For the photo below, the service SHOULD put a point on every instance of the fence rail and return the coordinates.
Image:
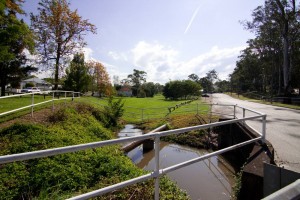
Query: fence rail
(157, 172)
(32, 105)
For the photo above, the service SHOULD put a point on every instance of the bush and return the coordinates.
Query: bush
(66, 175)
(62, 173)
(113, 112)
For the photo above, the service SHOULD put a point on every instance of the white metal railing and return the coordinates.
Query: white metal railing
(157, 173)
(32, 105)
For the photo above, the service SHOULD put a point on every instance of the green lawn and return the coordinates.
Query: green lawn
(11, 103)
(140, 109)
(16, 102)
(136, 109)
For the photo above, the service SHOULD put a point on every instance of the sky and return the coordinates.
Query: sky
(168, 39)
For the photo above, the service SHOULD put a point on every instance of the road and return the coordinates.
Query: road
(283, 128)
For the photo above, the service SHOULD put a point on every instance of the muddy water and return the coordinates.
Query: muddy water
(209, 179)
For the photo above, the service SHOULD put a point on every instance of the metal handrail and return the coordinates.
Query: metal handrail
(32, 105)
(157, 173)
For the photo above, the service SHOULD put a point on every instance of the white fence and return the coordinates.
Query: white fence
(59, 93)
(158, 172)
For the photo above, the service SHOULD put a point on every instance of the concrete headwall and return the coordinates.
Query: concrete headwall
(249, 158)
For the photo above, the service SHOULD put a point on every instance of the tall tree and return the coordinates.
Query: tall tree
(207, 82)
(137, 79)
(276, 25)
(100, 78)
(59, 33)
(77, 78)
(15, 37)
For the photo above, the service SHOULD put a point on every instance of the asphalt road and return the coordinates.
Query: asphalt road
(282, 128)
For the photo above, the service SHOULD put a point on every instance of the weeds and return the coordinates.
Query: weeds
(66, 175)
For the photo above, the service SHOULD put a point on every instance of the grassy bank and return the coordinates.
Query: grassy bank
(62, 176)
(241, 97)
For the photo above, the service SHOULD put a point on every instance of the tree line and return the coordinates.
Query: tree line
(270, 63)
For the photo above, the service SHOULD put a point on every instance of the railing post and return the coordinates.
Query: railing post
(244, 114)
(210, 113)
(65, 98)
(264, 117)
(32, 103)
(234, 111)
(156, 169)
(53, 101)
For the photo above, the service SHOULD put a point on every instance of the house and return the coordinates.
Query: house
(125, 91)
(41, 84)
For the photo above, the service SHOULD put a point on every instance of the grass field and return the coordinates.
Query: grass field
(141, 109)
(15, 102)
(19, 101)
(136, 109)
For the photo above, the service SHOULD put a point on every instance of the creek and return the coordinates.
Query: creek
(208, 179)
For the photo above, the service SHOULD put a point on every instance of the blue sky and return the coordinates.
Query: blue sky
(169, 39)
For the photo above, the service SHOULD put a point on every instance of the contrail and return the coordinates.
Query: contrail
(192, 19)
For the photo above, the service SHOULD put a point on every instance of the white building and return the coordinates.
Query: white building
(41, 84)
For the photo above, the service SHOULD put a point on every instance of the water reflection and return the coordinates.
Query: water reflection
(208, 179)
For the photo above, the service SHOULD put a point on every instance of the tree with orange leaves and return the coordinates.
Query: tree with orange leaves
(59, 33)
(100, 79)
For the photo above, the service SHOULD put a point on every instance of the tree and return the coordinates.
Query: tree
(158, 88)
(212, 75)
(100, 78)
(191, 88)
(222, 86)
(15, 37)
(77, 78)
(207, 82)
(194, 77)
(148, 89)
(137, 79)
(59, 33)
(276, 25)
(181, 89)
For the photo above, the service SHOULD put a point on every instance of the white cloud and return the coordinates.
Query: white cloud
(88, 52)
(117, 56)
(157, 60)
(162, 63)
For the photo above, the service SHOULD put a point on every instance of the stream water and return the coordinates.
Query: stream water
(208, 179)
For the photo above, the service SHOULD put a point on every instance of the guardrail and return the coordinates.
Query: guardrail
(157, 173)
(32, 105)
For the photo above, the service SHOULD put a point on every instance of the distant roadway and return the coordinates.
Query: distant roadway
(283, 128)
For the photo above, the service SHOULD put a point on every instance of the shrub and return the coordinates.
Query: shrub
(61, 173)
(65, 175)
(113, 112)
